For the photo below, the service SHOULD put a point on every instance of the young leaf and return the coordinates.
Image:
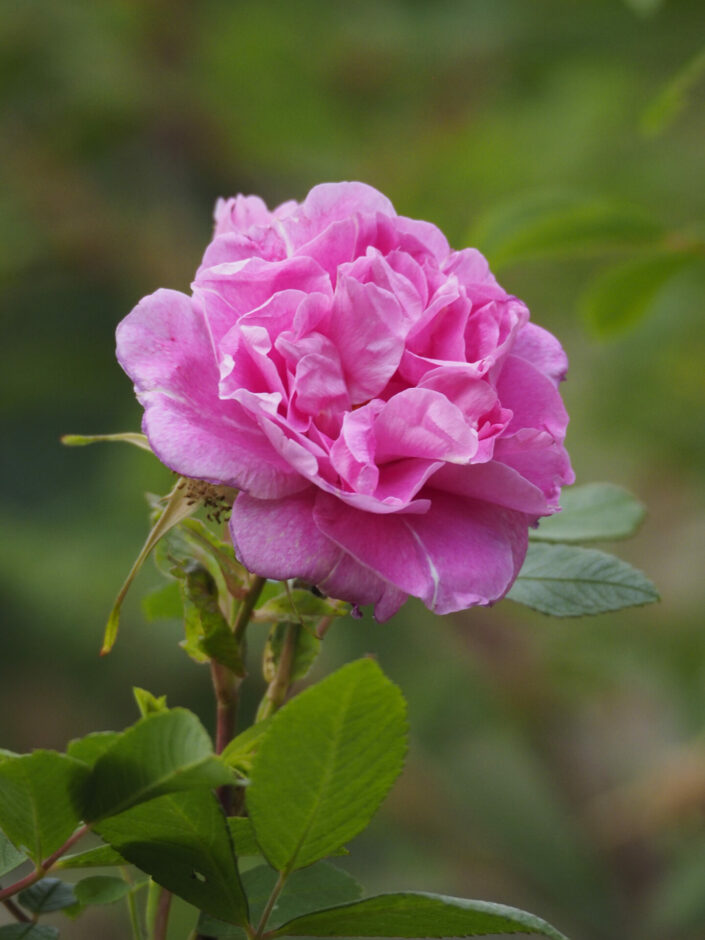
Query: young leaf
(28, 932)
(566, 581)
(102, 856)
(164, 603)
(208, 635)
(203, 539)
(306, 650)
(101, 889)
(178, 507)
(164, 752)
(553, 224)
(147, 703)
(182, 840)
(592, 512)
(39, 795)
(90, 748)
(416, 914)
(240, 752)
(10, 857)
(49, 894)
(129, 437)
(624, 294)
(325, 765)
(300, 606)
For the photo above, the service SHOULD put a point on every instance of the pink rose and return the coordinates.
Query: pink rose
(388, 413)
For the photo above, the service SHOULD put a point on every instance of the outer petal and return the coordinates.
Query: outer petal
(532, 397)
(164, 347)
(541, 349)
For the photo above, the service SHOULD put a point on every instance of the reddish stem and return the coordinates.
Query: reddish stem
(45, 866)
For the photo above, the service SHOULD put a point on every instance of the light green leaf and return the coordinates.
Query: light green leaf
(208, 635)
(325, 765)
(179, 506)
(49, 894)
(147, 703)
(10, 857)
(240, 752)
(101, 889)
(306, 649)
(102, 856)
(673, 98)
(559, 225)
(592, 512)
(28, 932)
(243, 835)
(300, 606)
(163, 604)
(623, 295)
(182, 840)
(39, 795)
(567, 581)
(415, 914)
(129, 437)
(90, 748)
(203, 539)
(162, 753)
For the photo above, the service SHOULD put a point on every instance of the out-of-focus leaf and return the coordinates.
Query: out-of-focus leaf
(164, 752)
(644, 7)
(622, 295)
(39, 795)
(240, 752)
(49, 894)
(673, 97)
(567, 581)
(101, 889)
(182, 840)
(234, 575)
(147, 703)
(178, 507)
(102, 856)
(28, 932)
(208, 635)
(306, 648)
(551, 225)
(90, 748)
(129, 437)
(415, 914)
(300, 606)
(325, 764)
(10, 857)
(164, 603)
(592, 512)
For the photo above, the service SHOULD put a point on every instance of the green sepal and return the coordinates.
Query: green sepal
(128, 437)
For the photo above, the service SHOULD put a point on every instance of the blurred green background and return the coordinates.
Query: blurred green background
(555, 765)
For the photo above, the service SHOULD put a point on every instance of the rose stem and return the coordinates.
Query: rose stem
(162, 916)
(16, 911)
(44, 867)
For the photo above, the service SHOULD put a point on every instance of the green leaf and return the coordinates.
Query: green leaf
(566, 581)
(163, 604)
(162, 753)
(179, 506)
(623, 295)
(49, 894)
(673, 98)
(243, 835)
(416, 914)
(558, 225)
(300, 606)
(10, 857)
(101, 889)
(306, 650)
(28, 932)
(239, 753)
(182, 840)
(208, 635)
(102, 856)
(203, 540)
(90, 748)
(592, 512)
(147, 703)
(39, 795)
(325, 765)
(129, 437)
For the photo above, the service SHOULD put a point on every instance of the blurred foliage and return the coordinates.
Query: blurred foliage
(556, 765)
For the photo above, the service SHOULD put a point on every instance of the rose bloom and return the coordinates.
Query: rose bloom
(386, 410)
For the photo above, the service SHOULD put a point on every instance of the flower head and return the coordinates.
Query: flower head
(388, 413)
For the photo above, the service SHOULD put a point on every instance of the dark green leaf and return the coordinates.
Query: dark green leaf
(10, 857)
(208, 635)
(162, 753)
(325, 765)
(101, 889)
(164, 604)
(592, 512)
(567, 581)
(49, 894)
(39, 795)
(147, 703)
(300, 606)
(306, 649)
(551, 225)
(182, 840)
(103, 856)
(129, 437)
(90, 748)
(28, 932)
(672, 99)
(624, 294)
(414, 914)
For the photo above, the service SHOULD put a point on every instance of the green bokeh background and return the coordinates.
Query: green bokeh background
(555, 765)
